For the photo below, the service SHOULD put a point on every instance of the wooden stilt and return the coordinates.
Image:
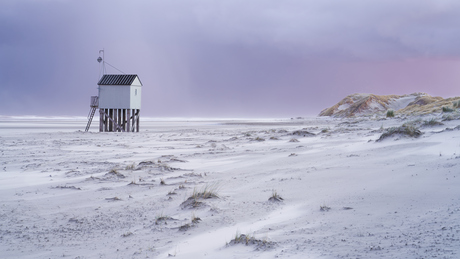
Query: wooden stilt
(133, 116)
(123, 119)
(114, 120)
(119, 119)
(137, 120)
(101, 120)
(110, 123)
(106, 120)
(128, 120)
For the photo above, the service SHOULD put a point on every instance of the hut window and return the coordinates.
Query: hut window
(135, 91)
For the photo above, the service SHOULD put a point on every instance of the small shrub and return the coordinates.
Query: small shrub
(456, 104)
(185, 227)
(275, 196)
(161, 217)
(293, 140)
(114, 172)
(251, 240)
(130, 167)
(324, 207)
(192, 203)
(432, 122)
(259, 139)
(303, 133)
(405, 129)
(66, 187)
(447, 109)
(390, 113)
(127, 234)
(206, 192)
(162, 181)
(448, 118)
(113, 199)
(165, 167)
(195, 219)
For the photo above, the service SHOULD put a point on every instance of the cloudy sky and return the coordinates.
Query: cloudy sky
(226, 58)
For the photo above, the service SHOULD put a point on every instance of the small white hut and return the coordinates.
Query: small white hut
(119, 103)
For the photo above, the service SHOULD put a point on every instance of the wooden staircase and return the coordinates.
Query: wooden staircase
(94, 104)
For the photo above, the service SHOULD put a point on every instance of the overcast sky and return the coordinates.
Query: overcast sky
(226, 58)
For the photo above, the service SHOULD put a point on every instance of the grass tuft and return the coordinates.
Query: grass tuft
(114, 172)
(390, 114)
(195, 219)
(324, 207)
(161, 217)
(251, 240)
(206, 192)
(405, 129)
(130, 167)
(432, 122)
(275, 196)
(456, 104)
(447, 109)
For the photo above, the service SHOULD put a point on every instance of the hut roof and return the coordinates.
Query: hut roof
(117, 80)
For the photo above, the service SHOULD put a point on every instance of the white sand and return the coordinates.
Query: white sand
(399, 198)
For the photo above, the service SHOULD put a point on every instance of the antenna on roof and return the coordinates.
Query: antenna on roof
(99, 59)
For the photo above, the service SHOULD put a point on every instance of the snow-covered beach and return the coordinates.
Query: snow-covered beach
(67, 193)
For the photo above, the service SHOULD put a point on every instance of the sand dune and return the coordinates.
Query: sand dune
(357, 105)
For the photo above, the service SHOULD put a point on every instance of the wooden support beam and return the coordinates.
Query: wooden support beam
(106, 120)
(111, 118)
(128, 120)
(112, 122)
(101, 120)
(133, 125)
(137, 120)
(119, 118)
(123, 125)
(114, 119)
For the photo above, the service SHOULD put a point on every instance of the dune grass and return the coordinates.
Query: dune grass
(390, 113)
(206, 192)
(406, 130)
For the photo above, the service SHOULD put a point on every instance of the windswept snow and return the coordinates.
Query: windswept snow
(67, 193)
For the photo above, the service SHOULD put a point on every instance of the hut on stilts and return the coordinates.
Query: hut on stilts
(119, 102)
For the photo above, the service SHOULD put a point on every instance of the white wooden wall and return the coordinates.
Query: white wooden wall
(120, 96)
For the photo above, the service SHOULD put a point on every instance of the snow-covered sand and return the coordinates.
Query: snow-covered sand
(67, 193)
